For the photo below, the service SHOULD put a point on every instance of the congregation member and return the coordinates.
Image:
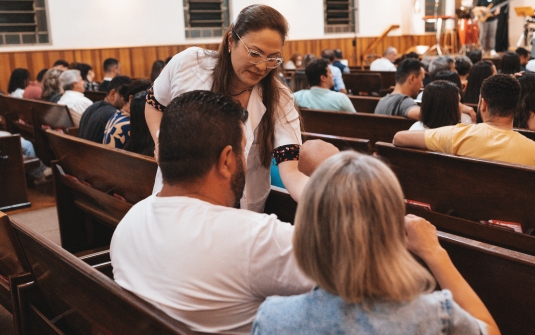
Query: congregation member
(111, 69)
(61, 65)
(339, 85)
(493, 139)
(353, 240)
(35, 88)
(478, 73)
(409, 77)
(18, 81)
(216, 264)
(96, 116)
(385, 63)
(243, 68)
(73, 97)
(338, 57)
(295, 62)
(117, 130)
(52, 90)
(475, 56)
(87, 73)
(156, 69)
(525, 110)
(319, 96)
(463, 64)
(524, 57)
(441, 63)
(140, 140)
(510, 63)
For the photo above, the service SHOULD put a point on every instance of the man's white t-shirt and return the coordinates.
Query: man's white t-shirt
(382, 64)
(208, 266)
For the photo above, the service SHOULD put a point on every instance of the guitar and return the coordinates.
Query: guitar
(482, 14)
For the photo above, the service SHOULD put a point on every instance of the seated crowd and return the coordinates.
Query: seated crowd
(347, 265)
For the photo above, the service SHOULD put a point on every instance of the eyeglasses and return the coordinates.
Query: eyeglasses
(256, 58)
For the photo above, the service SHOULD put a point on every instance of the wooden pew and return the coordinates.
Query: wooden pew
(341, 142)
(470, 188)
(388, 78)
(504, 279)
(360, 125)
(95, 95)
(526, 132)
(78, 299)
(95, 187)
(37, 116)
(364, 104)
(12, 271)
(363, 83)
(13, 192)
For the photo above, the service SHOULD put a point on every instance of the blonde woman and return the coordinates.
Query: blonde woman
(352, 238)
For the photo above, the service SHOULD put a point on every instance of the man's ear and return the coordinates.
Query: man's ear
(226, 164)
(483, 106)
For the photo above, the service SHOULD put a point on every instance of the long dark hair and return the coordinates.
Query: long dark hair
(440, 104)
(254, 18)
(479, 72)
(526, 103)
(510, 63)
(140, 140)
(20, 78)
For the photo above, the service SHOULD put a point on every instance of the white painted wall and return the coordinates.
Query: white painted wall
(516, 23)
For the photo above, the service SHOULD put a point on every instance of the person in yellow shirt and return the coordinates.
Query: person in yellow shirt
(493, 139)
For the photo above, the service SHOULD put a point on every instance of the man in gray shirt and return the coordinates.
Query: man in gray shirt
(400, 102)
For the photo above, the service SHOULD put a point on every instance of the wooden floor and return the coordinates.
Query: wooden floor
(42, 217)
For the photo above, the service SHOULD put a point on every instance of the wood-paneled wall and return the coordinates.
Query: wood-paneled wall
(137, 61)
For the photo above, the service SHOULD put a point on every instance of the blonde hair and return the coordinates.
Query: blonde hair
(350, 232)
(51, 84)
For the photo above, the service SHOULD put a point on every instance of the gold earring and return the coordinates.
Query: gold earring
(228, 50)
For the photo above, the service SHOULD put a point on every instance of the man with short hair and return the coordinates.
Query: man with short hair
(409, 76)
(72, 83)
(441, 63)
(97, 115)
(524, 57)
(319, 96)
(339, 85)
(111, 70)
(337, 61)
(61, 64)
(386, 63)
(215, 264)
(463, 64)
(494, 139)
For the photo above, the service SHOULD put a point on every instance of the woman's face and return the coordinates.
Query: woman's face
(267, 43)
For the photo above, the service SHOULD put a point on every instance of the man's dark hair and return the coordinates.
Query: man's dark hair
(510, 63)
(135, 87)
(40, 75)
(338, 53)
(82, 67)
(475, 56)
(406, 68)
(501, 93)
(479, 72)
(109, 63)
(315, 70)
(195, 128)
(463, 65)
(61, 62)
(328, 54)
(119, 84)
(412, 54)
(452, 77)
(522, 52)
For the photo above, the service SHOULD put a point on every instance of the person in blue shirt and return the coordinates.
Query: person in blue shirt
(353, 240)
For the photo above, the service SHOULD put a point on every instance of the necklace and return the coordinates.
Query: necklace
(239, 92)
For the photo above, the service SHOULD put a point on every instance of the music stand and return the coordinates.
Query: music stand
(524, 11)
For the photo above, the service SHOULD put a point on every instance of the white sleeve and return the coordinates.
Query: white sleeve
(273, 269)
(287, 123)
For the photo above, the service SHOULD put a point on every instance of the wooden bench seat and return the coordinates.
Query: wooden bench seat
(341, 142)
(69, 296)
(504, 279)
(360, 125)
(95, 187)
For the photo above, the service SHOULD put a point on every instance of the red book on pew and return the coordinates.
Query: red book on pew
(418, 204)
(514, 226)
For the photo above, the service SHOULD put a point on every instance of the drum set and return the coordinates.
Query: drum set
(468, 30)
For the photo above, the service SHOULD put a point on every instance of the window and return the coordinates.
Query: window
(339, 16)
(206, 18)
(430, 6)
(23, 22)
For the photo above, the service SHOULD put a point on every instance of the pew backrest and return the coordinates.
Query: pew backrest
(96, 186)
(82, 299)
(388, 78)
(364, 104)
(363, 83)
(360, 125)
(13, 192)
(469, 188)
(95, 95)
(341, 142)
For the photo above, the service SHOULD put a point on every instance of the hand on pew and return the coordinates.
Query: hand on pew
(422, 240)
(313, 153)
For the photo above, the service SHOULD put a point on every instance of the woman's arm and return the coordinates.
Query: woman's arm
(153, 118)
(293, 179)
(422, 240)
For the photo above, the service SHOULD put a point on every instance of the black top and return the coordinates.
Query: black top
(94, 121)
(103, 86)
